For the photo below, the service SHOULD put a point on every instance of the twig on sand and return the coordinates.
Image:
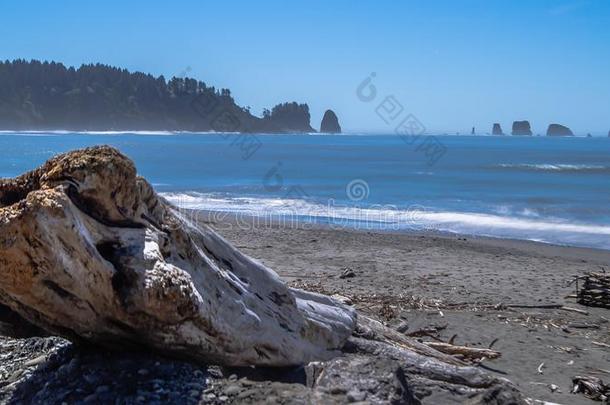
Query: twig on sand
(577, 325)
(540, 367)
(578, 311)
(469, 352)
(537, 306)
(598, 370)
(601, 344)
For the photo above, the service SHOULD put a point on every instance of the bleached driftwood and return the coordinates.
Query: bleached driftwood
(469, 352)
(89, 251)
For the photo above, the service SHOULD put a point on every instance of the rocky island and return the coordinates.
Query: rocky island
(522, 128)
(89, 252)
(330, 123)
(558, 130)
(497, 130)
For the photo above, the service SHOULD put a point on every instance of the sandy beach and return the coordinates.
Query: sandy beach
(458, 285)
(470, 291)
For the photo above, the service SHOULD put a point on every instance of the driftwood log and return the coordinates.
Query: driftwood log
(595, 291)
(88, 251)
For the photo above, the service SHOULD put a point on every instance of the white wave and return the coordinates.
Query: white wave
(29, 133)
(388, 215)
(553, 167)
(506, 210)
(510, 223)
(552, 230)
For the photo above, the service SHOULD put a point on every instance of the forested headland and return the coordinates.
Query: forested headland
(37, 95)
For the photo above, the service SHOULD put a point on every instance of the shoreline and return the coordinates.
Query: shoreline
(564, 232)
(247, 221)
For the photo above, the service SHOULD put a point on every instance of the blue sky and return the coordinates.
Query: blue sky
(452, 64)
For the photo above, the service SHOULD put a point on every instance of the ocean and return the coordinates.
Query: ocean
(554, 190)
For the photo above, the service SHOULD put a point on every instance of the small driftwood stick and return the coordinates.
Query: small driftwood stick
(537, 306)
(578, 311)
(601, 344)
(549, 306)
(470, 352)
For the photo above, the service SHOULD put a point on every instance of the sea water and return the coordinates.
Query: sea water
(554, 190)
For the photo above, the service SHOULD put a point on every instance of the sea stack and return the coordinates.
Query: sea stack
(522, 128)
(497, 130)
(330, 123)
(558, 130)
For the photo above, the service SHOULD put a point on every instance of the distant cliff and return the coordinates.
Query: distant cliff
(497, 130)
(559, 130)
(330, 123)
(48, 95)
(521, 128)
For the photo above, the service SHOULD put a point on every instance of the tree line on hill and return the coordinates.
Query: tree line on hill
(38, 95)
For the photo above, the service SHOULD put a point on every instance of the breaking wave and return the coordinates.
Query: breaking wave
(548, 167)
(391, 218)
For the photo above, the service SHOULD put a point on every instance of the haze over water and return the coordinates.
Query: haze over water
(554, 190)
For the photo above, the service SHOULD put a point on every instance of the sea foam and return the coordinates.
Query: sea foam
(550, 167)
(392, 218)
